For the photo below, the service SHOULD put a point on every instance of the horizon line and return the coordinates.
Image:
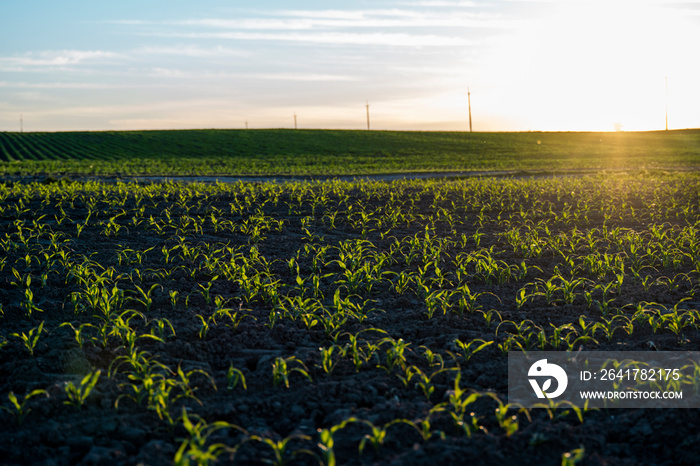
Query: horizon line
(282, 128)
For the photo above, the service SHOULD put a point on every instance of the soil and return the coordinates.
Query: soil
(113, 428)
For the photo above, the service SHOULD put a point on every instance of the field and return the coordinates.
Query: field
(338, 322)
(323, 153)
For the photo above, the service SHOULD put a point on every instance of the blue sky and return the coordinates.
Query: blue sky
(530, 65)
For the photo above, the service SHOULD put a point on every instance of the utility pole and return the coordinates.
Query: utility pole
(246, 124)
(469, 100)
(666, 78)
(21, 123)
(367, 105)
(295, 121)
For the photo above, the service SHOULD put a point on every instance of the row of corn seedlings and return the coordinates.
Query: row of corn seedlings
(132, 269)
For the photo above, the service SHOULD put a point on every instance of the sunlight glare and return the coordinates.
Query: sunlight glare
(595, 66)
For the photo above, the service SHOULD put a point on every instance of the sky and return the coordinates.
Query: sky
(523, 65)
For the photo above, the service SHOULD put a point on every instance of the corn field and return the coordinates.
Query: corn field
(336, 322)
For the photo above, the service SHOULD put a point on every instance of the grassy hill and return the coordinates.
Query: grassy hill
(331, 152)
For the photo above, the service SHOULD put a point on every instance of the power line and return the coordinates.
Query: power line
(367, 105)
(469, 100)
(666, 79)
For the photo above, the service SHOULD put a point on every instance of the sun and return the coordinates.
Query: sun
(598, 66)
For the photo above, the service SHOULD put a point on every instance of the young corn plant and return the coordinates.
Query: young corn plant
(438, 300)
(122, 329)
(423, 426)
(204, 325)
(604, 303)
(234, 316)
(402, 283)
(360, 354)
(469, 349)
(234, 376)
(425, 381)
(573, 457)
(560, 409)
(347, 306)
(326, 441)
(435, 359)
(523, 297)
(162, 329)
(548, 289)
(281, 454)
(173, 298)
(196, 449)
(490, 315)
(80, 334)
(377, 435)
(460, 400)
(145, 298)
(395, 354)
(77, 394)
(24, 282)
(281, 370)
(509, 423)
(467, 301)
(162, 398)
(205, 290)
(612, 325)
(568, 287)
(31, 338)
(20, 409)
(328, 361)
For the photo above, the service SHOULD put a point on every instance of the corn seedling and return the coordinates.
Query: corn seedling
(434, 359)
(281, 370)
(204, 327)
(77, 394)
(423, 426)
(489, 316)
(509, 424)
(328, 362)
(361, 354)
(573, 457)
(281, 454)
(377, 435)
(80, 337)
(460, 400)
(196, 449)
(425, 381)
(145, 298)
(31, 338)
(234, 376)
(327, 443)
(395, 354)
(162, 329)
(20, 409)
(467, 350)
(438, 300)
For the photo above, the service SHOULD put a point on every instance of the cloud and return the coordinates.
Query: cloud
(301, 77)
(57, 58)
(166, 73)
(386, 27)
(193, 51)
(337, 38)
(58, 85)
(444, 3)
(295, 20)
